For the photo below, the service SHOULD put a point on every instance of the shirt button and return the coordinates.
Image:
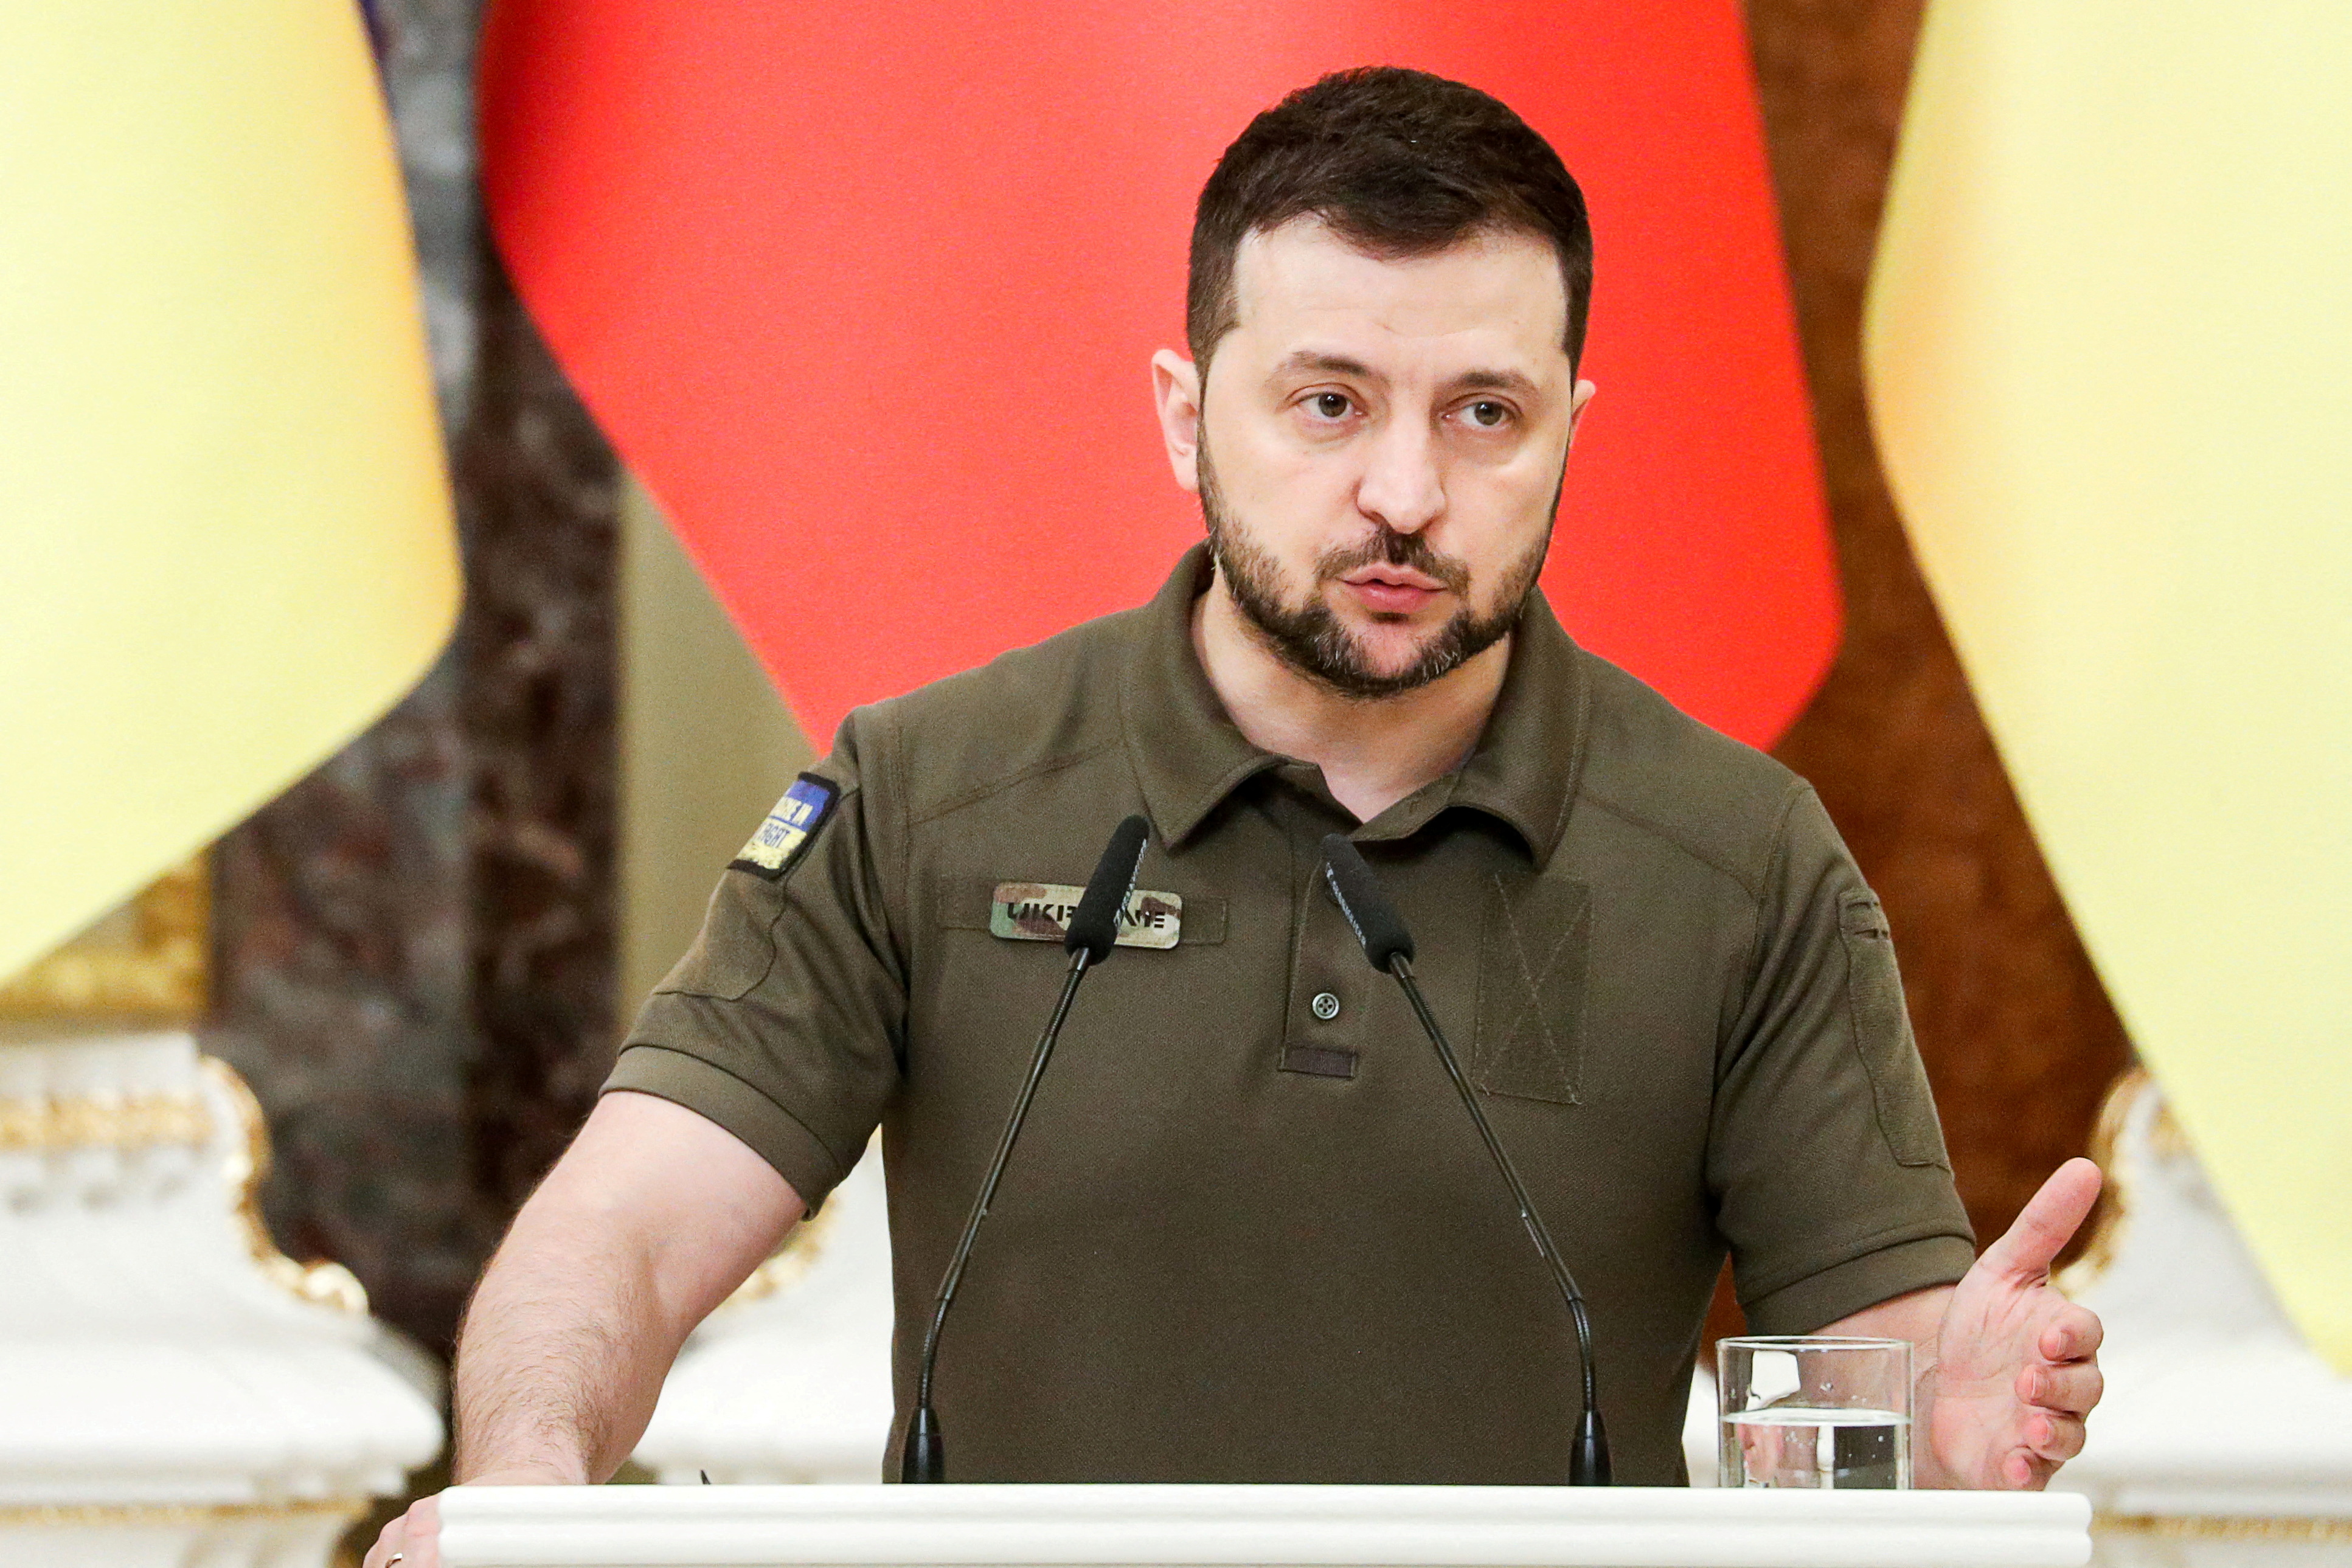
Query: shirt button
(1325, 1006)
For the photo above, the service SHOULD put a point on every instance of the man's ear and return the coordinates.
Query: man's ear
(1176, 391)
(1577, 402)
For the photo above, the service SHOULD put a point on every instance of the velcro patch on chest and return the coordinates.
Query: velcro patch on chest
(788, 829)
(1041, 911)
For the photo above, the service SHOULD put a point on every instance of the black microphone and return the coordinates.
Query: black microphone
(1389, 946)
(1094, 929)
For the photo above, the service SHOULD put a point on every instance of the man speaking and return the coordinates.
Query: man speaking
(1248, 1234)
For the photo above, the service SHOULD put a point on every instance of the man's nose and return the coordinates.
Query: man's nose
(1402, 485)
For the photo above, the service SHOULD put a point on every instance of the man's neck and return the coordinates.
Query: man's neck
(1372, 754)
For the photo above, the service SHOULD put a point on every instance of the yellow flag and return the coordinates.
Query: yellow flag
(225, 541)
(2110, 363)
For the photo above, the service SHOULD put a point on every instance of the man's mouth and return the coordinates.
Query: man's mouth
(1392, 590)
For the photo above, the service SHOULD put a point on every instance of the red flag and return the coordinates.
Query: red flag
(865, 295)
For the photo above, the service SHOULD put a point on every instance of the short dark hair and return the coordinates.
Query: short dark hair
(1398, 163)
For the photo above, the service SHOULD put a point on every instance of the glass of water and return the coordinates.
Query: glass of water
(1814, 1411)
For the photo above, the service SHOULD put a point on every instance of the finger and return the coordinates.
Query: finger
(2075, 1335)
(2047, 1222)
(389, 1541)
(424, 1533)
(2056, 1438)
(2070, 1390)
(410, 1541)
(2022, 1470)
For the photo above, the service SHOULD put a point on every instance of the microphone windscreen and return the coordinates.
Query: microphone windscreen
(1095, 927)
(1365, 903)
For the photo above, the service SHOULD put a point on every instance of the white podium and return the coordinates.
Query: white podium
(1264, 1526)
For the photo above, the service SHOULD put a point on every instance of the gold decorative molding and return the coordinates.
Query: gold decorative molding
(323, 1284)
(2226, 1527)
(146, 961)
(174, 1515)
(54, 1125)
(2105, 1225)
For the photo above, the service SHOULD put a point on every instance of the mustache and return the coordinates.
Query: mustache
(1389, 548)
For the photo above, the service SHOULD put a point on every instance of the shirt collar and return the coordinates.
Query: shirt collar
(1189, 755)
(1526, 767)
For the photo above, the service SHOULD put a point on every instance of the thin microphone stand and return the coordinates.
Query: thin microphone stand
(925, 1459)
(1589, 1460)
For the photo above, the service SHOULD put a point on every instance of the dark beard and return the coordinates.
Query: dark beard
(1310, 640)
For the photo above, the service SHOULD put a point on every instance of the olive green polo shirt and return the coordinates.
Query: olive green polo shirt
(1249, 1234)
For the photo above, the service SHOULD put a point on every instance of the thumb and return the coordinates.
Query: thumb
(2047, 1223)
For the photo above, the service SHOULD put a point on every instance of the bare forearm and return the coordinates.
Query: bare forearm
(1917, 1317)
(650, 1218)
(647, 1223)
(563, 1356)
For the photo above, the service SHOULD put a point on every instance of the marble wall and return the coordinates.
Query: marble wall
(417, 945)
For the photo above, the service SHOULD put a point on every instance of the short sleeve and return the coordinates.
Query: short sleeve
(1824, 1157)
(784, 1022)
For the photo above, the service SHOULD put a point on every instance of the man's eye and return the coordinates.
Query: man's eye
(1488, 415)
(1330, 404)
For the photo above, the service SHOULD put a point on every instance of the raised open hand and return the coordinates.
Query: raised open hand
(2017, 1364)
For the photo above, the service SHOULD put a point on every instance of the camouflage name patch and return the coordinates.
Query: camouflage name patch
(789, 829)
(1041, 911)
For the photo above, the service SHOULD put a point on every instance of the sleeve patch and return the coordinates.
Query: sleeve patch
(789, 829)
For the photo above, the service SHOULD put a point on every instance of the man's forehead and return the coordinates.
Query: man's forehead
(1495, 291)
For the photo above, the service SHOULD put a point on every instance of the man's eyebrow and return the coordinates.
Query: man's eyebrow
(1327, 364)
(1495, 381)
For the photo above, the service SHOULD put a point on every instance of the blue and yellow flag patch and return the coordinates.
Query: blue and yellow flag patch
(788, 829)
